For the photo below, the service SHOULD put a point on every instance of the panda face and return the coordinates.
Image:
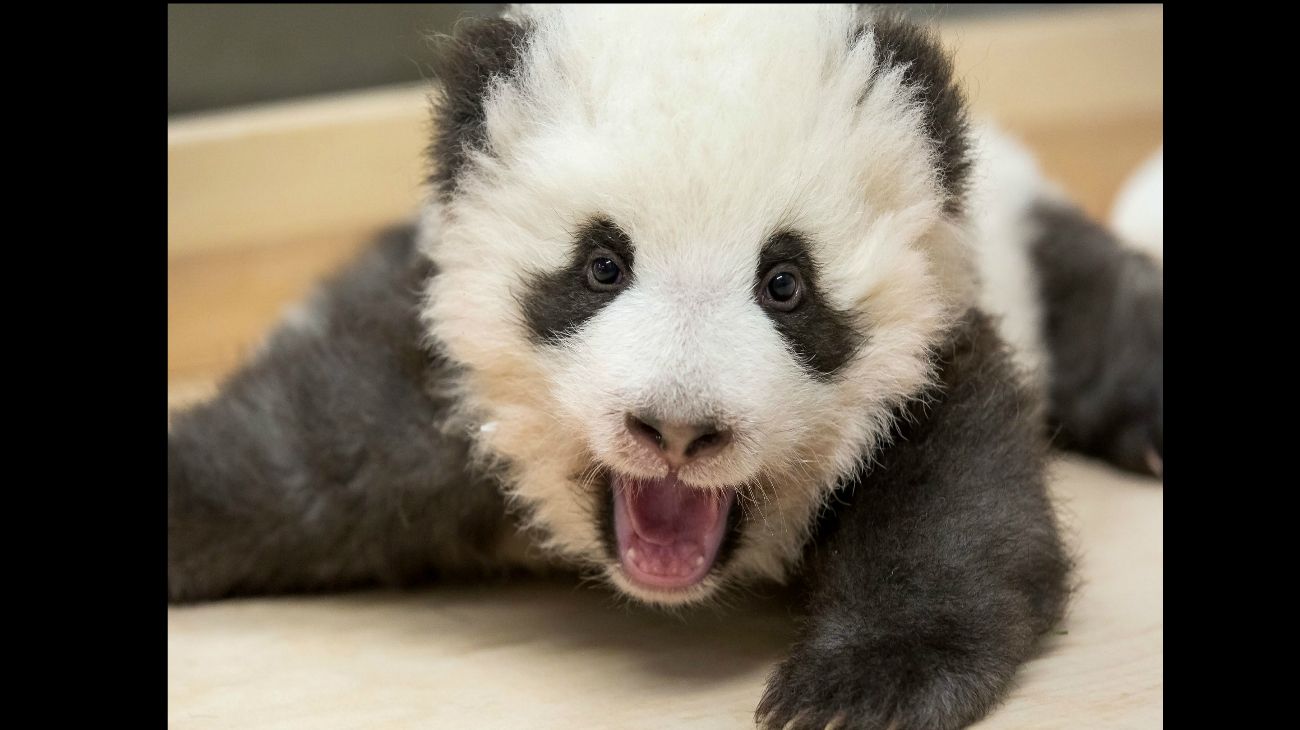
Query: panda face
(689, 263)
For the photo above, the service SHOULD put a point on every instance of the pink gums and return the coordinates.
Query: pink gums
(668, 533)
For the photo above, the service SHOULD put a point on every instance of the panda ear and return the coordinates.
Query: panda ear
(928, 72)
(465, 64)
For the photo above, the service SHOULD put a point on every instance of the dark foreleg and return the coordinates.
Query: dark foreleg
(936, 572)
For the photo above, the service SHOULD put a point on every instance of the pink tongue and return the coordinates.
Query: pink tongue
(668, 534)
(663, 512)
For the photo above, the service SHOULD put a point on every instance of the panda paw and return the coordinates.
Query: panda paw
(899, 685)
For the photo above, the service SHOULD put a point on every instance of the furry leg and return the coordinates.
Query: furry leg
(931, 585)
(1083, 309)
(321, 464)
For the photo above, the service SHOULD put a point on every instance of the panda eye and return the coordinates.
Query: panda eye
(605, 271)
(782, 288)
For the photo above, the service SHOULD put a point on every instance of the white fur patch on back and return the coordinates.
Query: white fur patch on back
(1139, 212)
(1006, 184)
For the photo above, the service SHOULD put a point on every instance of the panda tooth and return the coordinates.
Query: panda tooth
(631, 554)
(699, 560)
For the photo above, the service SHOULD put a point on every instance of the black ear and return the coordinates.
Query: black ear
(465, 63)
(928, 69)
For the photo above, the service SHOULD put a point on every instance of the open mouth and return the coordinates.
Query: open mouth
(668, 533)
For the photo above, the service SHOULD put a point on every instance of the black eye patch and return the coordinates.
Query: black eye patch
(557, 303)
(822, 337)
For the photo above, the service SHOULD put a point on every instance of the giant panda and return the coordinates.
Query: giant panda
(703, 297)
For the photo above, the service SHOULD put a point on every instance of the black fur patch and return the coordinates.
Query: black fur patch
(557, 303)
(465, 64)
(321, 464)
(932, 576)
(899, 42)
(823, 338)
(1103, 327)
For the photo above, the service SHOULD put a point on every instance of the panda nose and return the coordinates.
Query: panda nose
(678, 443)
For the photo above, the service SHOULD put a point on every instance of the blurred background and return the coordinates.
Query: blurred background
(221, 55)
(295, 132)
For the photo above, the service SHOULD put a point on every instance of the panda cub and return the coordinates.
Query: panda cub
(696, 303)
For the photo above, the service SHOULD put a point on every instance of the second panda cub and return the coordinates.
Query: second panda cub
(696, 303)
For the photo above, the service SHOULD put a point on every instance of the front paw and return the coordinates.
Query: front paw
(886, 685)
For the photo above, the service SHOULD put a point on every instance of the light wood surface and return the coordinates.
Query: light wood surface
(262, 202)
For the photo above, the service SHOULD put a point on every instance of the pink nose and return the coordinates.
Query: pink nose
(678, 443)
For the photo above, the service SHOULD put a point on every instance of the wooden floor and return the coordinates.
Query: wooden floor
(262, 202)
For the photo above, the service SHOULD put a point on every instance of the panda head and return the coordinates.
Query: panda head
(690, 260)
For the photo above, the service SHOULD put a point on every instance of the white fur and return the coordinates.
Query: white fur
(305, 316)
(1139, 213)
(1005, 185)
(700, 131)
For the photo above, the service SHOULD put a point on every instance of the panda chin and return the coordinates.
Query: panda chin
(669, 534)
